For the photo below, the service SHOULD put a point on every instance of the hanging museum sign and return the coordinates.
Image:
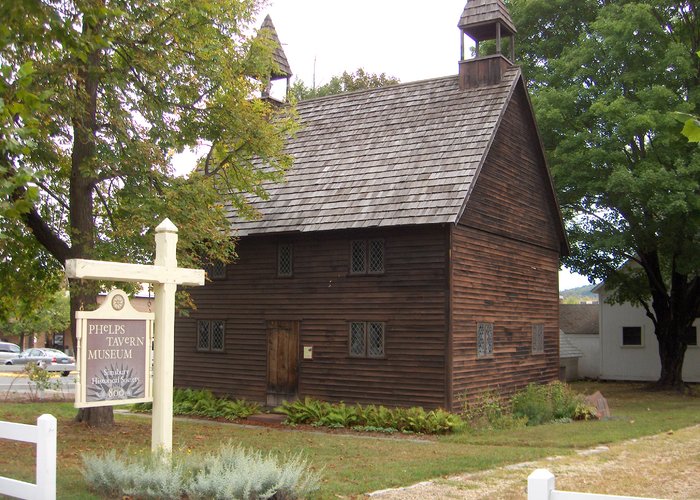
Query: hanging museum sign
(114, 359)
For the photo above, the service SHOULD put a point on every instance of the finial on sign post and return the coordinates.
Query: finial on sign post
(166, 227)
(166, 244)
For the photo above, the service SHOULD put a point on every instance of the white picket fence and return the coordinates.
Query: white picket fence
(540, 486)
(44, 435)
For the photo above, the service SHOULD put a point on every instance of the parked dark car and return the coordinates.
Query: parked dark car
(8, 350)
(50, 359)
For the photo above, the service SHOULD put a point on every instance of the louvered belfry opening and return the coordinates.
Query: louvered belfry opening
(484, 20)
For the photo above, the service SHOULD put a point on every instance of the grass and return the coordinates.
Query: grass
(346, 460)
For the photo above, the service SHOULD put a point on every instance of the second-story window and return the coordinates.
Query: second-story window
(367, 256)
(285, 260)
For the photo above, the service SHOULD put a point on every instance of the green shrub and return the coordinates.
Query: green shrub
(416, 419)
(203, 403)
(232, 472)
(547, 403)
(490, 411)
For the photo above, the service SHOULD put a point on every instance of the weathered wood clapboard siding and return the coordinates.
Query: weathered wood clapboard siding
(410, 297)
(505, 258)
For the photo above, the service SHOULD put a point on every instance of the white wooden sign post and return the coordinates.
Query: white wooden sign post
(165, 276)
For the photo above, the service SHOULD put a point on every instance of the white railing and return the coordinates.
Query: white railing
(540, 486)
(44, 435)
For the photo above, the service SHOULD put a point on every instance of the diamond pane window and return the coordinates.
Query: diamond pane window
(375, 340)
(366, 339)
(211, 335)
(538, 339)
(217, 335)
(215, 270)
(284, 260)
(203, 335)
(357, 339)
(376, 256)
(358, 257)
(484, 340)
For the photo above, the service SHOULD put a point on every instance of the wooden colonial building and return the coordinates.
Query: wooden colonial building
(411, 257)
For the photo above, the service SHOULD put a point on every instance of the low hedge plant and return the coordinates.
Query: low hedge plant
(203, 403)
(409, 420)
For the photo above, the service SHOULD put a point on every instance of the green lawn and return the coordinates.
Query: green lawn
(357, 464)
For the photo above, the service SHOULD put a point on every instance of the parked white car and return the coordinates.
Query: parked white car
(8, 351)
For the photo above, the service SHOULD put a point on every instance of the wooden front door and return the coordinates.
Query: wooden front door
(282, 361)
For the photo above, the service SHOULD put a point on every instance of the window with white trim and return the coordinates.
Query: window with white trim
(631, 335)
(211, 335)
(366, 339)
(538, 339)
(484, 340)
(367, 256)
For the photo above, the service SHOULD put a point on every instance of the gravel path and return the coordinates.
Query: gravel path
(662, 466)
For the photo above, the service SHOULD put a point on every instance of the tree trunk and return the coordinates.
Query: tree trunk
(82, 183)
(671, 354)
(101, 416)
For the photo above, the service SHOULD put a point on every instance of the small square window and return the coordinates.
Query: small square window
(538, 339)
(484, 340)
(285, 260)
(367, 257)
(215, 270)
(211, 335)
(366, 339)
(691, 336)
(631, 335)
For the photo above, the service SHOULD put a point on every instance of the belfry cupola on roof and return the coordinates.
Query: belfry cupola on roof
(282, 68)
(484, 20)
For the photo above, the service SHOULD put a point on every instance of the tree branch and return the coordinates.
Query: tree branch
(46, 236)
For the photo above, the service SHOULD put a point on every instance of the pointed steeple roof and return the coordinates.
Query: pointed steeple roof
(283, 68)
(480, 17)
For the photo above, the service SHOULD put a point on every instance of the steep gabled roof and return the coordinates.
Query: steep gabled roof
(399, 155)
(280, 58)
(479, 18)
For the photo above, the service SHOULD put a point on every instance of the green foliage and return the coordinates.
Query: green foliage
(607, 81)
(40, 380)
(490, 411)
(96, 98)
(536, 404)
(203, 403)
(540, 404)
(370, 417)
(231, 472)
(347, 82)
(44, 314)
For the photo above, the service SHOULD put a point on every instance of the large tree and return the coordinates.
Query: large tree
(608, 79)
(101, 93)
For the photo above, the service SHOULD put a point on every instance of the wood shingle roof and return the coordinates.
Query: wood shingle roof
(284, 70)
(479, 16)
(399, 155)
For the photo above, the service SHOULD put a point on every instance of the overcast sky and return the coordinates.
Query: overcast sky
(408, 40)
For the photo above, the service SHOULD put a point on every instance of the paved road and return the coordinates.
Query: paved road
(20, 383)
